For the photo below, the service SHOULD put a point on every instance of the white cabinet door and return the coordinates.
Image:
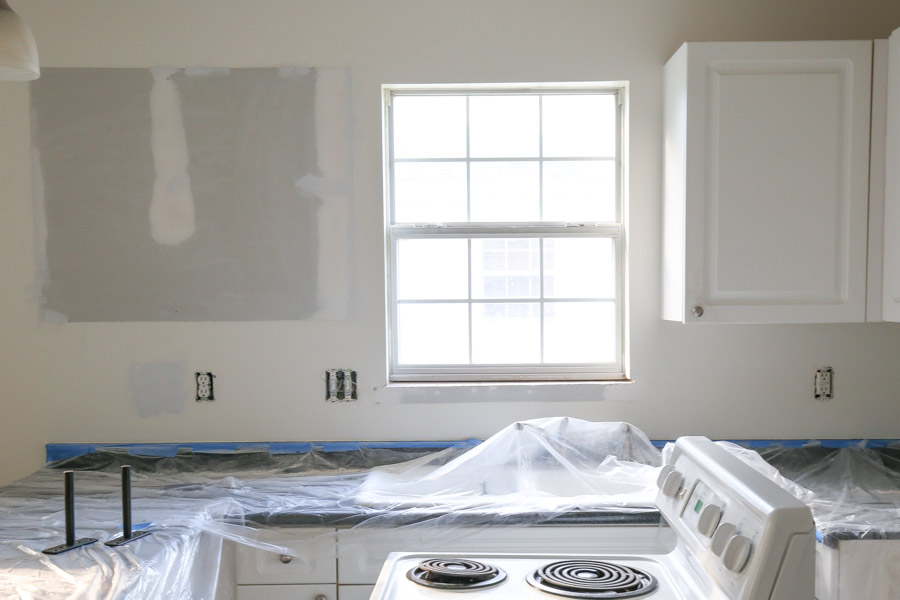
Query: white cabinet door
(891, 281)
(287, 592)
(766, 182)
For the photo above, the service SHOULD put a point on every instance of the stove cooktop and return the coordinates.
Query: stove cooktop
(414, 576)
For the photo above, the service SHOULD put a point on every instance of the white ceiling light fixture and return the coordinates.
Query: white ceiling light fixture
(18, 52)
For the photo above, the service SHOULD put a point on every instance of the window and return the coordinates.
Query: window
(506, 237)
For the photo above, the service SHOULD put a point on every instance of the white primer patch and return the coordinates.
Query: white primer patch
(290, 72)
(158, 387)
(207, 71)
(52, 317)
(333, 188)
(42, 272)
(172, 219)
(321, 187)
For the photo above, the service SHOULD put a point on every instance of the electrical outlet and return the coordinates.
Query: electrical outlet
(340, 385)
(331, 385)
(205, 391)
(348, 384)
(823, 387)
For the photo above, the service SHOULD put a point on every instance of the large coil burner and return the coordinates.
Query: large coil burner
(592, 579)
(456, 574)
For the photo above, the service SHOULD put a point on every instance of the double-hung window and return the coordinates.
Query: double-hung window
(505, 232)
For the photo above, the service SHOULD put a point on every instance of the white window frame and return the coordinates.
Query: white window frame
(616, 231)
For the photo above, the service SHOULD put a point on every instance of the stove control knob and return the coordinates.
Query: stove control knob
(724, 532)
(672, 485)
(663, 473)
(737, 551)
(709, 519)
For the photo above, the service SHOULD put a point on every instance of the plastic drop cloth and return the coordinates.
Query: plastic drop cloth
(532, 472)
(854, 495)
(854, 492)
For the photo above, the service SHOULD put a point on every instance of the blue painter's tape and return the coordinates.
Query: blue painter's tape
(290, 447)
(335, 446)
(63, 451)
(470, 443)
(212, 447)
(57, 452)
(156, 450)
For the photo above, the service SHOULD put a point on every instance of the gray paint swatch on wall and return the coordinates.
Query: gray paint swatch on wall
(193, 194)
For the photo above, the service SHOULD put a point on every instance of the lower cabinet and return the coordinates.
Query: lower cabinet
(362, 552)
(311, 591)
(355, 592)
(330, 564)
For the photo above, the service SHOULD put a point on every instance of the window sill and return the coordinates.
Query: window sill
(506, 383)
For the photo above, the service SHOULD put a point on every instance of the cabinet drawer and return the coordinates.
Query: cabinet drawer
(287, 592)
(355, 592)
(314, 561)
(362, 552)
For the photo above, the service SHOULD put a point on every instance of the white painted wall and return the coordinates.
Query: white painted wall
(70, 382)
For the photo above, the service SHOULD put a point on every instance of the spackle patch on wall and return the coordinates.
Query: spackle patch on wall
(158, 387)
(193, 194)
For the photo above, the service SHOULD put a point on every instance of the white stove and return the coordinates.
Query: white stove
(740, 537)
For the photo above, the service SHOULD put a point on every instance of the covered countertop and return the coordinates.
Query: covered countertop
(546, 472)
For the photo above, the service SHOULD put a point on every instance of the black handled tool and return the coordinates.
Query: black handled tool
(127, 535)
(69, 498)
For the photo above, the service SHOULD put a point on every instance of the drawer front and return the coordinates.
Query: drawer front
(362, 552)
(355, 592)
(287, 592)
(314, 560)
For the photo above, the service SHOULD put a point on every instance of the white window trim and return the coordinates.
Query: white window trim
(478, 373)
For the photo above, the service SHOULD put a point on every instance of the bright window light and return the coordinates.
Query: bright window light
(505, 229)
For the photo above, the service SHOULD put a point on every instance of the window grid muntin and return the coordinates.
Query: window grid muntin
(541, 230)
(402, 370)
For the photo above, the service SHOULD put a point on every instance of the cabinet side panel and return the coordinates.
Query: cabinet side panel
(891, 289)
(673, 259)
(876, 181)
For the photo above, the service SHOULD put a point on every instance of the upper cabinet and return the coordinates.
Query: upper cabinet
(891, 267)
(767, 182)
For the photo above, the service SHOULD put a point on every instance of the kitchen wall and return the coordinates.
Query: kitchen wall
(132, 381)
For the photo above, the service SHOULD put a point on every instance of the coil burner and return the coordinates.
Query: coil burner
(456, 574)
(592, 579)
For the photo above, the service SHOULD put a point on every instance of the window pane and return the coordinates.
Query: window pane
(429, 192)
(506, 268)
(504, 126)
(506, 333)
(579, 268)
(430, 334)
(432, 269)
(580, 191)
(580, 332)
(429, 126)
(505, 191)
(579, 126)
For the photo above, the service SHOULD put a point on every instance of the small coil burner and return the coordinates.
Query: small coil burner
(592, 579)
(456, 574)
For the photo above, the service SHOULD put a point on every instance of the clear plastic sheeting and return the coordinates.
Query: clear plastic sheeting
(558, 470)
(854, 492)
(854, 495)
(546, 465)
